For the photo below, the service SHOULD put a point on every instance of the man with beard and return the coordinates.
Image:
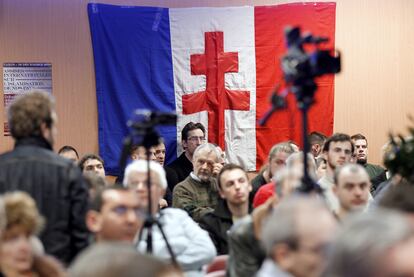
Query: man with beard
(352, 186)
(376, 173)
(198, 193)
(337, 150)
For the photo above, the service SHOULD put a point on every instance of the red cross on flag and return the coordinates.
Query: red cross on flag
(226, 62)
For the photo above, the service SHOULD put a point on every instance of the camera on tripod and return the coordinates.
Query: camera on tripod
(299, 66)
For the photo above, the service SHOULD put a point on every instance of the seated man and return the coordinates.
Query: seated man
(92, 163)
(352, 187)
(69, 152)
(115, 215)
(294, 238)
(234, 189)
(198, 193)
(191, 245)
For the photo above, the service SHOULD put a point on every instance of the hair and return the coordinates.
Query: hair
(281, 147)
(337, 137)
(28, 112)
(142, 167)
(68, 148)
(89, 157)
(280, 227)
(363, 241)
(316, 138)
(97, 201)
(228, 167)
(113, 259)
(207, 146)
(189, 127)
(21, 211)
(358, 137)
(399, 197)
(354, 168)
(298, 156)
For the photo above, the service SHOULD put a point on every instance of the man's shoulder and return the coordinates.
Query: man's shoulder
(375, 167)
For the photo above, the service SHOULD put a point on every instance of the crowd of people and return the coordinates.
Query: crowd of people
(201, 215)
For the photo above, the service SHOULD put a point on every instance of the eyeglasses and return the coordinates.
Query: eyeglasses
(197, 139)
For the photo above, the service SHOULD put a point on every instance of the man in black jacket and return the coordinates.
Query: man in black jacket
(234, 189)
(54, 182)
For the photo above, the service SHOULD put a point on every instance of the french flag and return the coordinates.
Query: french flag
(216, 66)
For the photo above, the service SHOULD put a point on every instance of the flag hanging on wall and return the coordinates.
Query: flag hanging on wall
(216, 66)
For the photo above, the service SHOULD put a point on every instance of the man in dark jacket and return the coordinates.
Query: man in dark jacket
(234, 189)
(54, 182)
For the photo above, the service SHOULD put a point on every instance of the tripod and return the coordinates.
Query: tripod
(150, 138)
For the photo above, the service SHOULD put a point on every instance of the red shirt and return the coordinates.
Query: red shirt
(265, 192)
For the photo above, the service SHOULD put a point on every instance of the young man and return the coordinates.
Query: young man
(115, 215)
(338, 151)
(234, 189)
(198, 194)
(352, 187)
(92, 163)
(192, 136)
(69, 152)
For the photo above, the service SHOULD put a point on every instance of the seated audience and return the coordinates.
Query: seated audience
(17, 252)
(352, 187)
(190, 244)
(115, 215)
(111, 259)
(92, 163)
(69, 152)
(375, 244)
(294, 238)
(198, 193)
(234, 189)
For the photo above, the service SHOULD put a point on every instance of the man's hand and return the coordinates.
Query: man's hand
(216, 169)
(162, 203)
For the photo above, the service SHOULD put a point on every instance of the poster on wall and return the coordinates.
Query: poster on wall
(20, 78)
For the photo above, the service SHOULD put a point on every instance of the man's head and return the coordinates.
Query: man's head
(234, 185)
(69, 152)
(115, 215)
(278, 155)
(361, 148)
(338, 150)
(33, 115)
(295, 239)
(136, 176)
(316, 141)
(160, 153)
(204, 159)
(352, 187)
(192, 135)
(377, 243)
(139, 152)
(92, 163)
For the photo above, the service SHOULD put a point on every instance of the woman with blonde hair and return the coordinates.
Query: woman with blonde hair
(19, 256)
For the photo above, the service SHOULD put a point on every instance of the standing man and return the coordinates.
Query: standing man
(352, 186)
(338, 151)
(198, 193)
(192, 136)
(54, 182)
(234, 189)
(375, 172)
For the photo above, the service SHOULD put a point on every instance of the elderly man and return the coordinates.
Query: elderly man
(352, 186)
(295, 238)
(198, 193)
(191, 245)
(54, 182)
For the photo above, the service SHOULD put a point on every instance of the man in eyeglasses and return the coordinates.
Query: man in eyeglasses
(115, 215)
(192, 136)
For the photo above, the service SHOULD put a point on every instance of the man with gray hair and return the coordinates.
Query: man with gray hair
(191, 245)
(295, 239)
(375, 244)
(198, 193)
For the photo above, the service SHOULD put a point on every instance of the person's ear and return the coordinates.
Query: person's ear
(94, 221)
